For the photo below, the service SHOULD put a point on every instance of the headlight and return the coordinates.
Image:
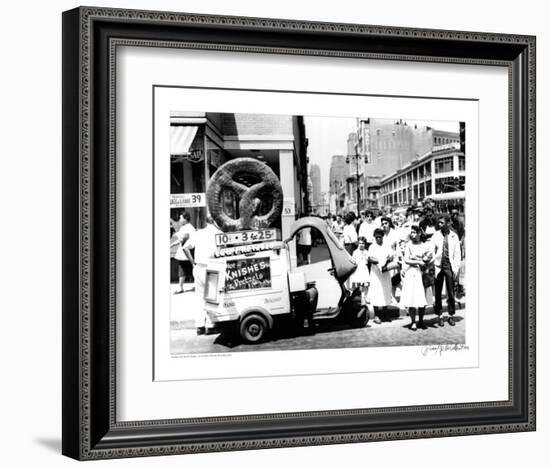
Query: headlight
(211, 286)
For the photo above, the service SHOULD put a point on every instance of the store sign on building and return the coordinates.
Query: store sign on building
(215, 158)
(288, 207)
(187, 200)
(194, 156)
(366, 143)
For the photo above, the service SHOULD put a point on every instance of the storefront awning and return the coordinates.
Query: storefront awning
(181, 138)
(448, 196)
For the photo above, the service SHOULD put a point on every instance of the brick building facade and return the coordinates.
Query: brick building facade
(202, 142)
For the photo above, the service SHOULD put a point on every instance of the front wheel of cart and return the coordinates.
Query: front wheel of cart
(253, 328)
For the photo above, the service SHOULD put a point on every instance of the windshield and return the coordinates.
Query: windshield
(343, 263)
(329, 233)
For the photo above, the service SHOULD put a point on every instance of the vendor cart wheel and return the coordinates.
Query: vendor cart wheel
(253, 328)
(363, 317)
(354, 313)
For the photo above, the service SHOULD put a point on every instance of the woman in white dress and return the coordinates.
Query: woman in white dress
(413, 295)
(360, 279)
(380, 255)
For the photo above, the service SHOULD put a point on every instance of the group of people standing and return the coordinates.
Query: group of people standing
(416, 253)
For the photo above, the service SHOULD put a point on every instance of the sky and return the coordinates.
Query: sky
(328, 137)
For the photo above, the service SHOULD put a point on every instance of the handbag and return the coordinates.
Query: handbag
(428, 276)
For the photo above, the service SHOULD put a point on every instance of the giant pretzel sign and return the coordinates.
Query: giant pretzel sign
(249, 198)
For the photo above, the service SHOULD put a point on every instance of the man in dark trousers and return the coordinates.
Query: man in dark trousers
(447, 258)
(457, 224)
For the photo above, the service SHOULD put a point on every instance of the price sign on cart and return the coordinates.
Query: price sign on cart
(244, 237)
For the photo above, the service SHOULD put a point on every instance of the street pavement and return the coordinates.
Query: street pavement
(326, 335)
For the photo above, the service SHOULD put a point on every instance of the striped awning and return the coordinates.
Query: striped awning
(181, 138)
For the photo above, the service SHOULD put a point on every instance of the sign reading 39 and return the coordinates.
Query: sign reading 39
(187, 200)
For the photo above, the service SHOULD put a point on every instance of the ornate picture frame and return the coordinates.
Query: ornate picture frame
(91, 37)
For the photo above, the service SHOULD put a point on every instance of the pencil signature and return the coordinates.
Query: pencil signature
(440, 349)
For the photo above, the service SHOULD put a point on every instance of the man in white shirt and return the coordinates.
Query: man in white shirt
(204, 243)
(447, 257)
(338, 228)
(304, 245)
(185, 267)
(366, 229)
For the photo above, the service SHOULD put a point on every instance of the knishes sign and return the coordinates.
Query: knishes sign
(249, 273)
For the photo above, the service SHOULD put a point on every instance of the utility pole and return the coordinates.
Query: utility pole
(357, 183)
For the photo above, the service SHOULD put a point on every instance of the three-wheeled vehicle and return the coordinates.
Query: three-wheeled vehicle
(248, 289)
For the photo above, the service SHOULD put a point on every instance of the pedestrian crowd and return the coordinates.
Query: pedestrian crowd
(404, 259)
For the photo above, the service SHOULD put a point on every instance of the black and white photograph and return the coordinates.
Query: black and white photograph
(292, 232)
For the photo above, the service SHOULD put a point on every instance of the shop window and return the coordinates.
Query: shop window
(444, 165)
(449, 184)
(421, 191)
(428, 188)
(428, 169)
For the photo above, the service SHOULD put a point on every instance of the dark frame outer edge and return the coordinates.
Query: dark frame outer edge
(90, 417)
(71, 395)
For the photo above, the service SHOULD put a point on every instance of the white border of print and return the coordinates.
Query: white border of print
(139, 397)
(302, 362)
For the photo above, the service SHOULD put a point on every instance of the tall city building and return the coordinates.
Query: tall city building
(439, 174)
(352, 143)
(315, 175)
(390, 144)
(383, 148)
(338, 172)
(310, 195)
(337, 183)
